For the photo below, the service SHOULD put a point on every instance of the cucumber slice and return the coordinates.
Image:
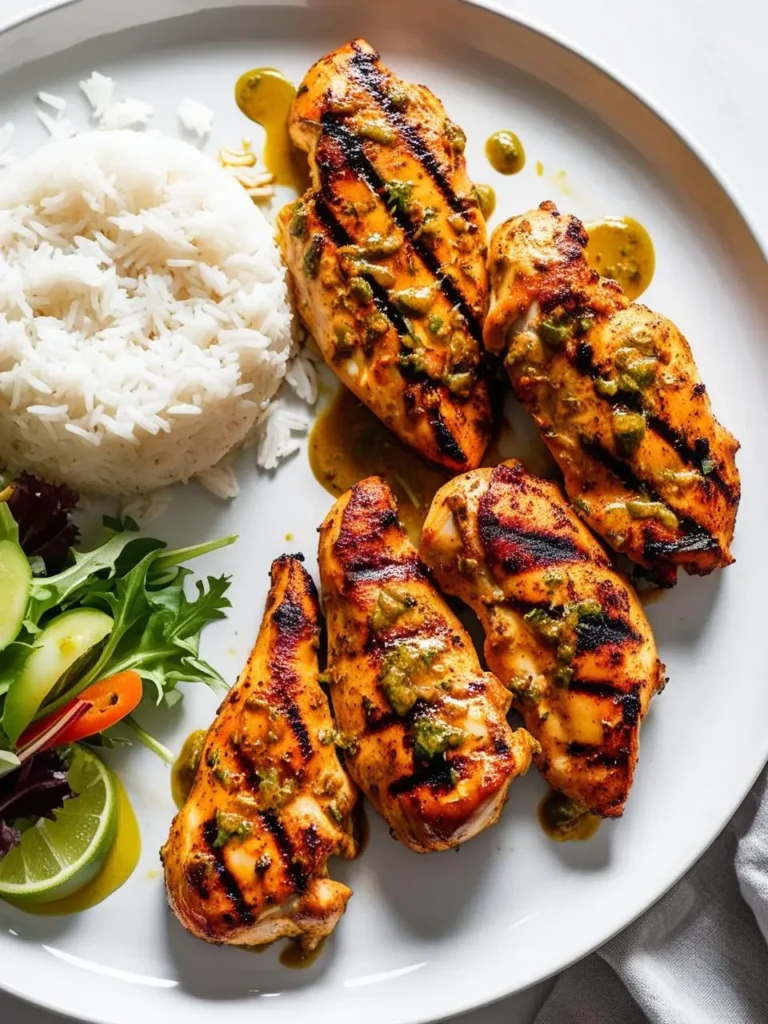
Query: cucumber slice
(62, 643)
(15, 581)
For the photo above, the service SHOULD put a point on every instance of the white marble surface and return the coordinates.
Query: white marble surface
(703, 63)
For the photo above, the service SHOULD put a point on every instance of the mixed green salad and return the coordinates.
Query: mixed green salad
(85, 636)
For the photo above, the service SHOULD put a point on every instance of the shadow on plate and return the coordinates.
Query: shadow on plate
(222, 973)
(34, 928)
(425, 891)
(680, 616)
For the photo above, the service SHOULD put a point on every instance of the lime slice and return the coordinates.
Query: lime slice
(58, 857)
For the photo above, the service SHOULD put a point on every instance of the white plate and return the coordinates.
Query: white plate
(429, 936)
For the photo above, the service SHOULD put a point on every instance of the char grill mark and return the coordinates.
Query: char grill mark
(365, 71)
(292, 867)
(618, 759)
(437, 774)
(225, 876)
(513, 547)
(693, 535)
(692, 455)
(381, 299)
(292, 626)
(362, 553)
(629, 700)
(360, 165)
(595, 631)
(592, 632)
(446, 442)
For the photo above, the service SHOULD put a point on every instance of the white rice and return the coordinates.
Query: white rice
(144, 323)
(99, 90)
(195, 117)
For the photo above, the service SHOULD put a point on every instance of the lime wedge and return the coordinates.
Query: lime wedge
(58, 857)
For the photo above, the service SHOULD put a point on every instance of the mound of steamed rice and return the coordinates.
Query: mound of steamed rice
(144, 322)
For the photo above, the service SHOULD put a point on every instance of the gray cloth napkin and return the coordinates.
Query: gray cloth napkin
(699, 956)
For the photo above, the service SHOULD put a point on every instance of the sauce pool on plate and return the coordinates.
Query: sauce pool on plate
(265, 96)
(505, 152)
(185, 766)
(564, 820)
(621, 248)
(348, 443)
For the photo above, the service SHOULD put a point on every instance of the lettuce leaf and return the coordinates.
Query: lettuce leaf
(43, 513)
(35, 790)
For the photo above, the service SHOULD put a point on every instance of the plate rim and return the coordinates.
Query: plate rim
(757, 234)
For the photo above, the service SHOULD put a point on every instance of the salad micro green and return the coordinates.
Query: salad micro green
(84, 638)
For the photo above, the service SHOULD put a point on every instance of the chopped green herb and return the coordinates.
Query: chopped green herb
(432, 737)
(382, 245)
(554, 334)
(399, 195)
(435, 325)
(458, 383)
(230, 826)
(561, 631)
(416, 300)
(606, 387)
(524, 690)
(381, 275)
(429, 223)
(458, 223)
(345, 340)
(390, 606)
(401, 666)
(553, 578)
(377, 131)
(376, 324)
(628, 430)
(298, 224)
(639, 509)
(312, 255)
(457, 140)
(413, 363)
(708, 466)
(335, 812)
(398, 97)
(361, 289)
(273, 793)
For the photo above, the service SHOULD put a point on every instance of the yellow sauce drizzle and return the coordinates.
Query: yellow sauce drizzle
(185, 767)
(265, 96)
(621, 248)
(564, 820)
(294, 956)
(560, 182)
(348, 443)
(539, 168)
(505, 152)
(117, 869)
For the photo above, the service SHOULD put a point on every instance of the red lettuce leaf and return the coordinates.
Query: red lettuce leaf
(35, 790)
(42, 512)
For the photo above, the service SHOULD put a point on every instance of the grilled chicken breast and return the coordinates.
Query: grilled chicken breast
(388, 251)
(246, 858)
(425, 728)
(615, 392)
(564, 632)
